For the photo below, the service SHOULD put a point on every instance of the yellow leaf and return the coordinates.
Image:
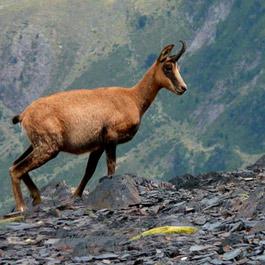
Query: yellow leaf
(167, 230)
(11, 219)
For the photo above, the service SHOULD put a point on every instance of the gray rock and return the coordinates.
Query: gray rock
(197, 248)
(51, 241)
(260, 258)
(106, 256)
(199, 220)
(114, 193)
(216, 262)
(232, 254)
(212, 226)
(21, 226)
(83, 259)
(125, 257)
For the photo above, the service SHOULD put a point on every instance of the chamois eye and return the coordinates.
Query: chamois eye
(168, 67)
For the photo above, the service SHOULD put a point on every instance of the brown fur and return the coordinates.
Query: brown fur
(84, 120)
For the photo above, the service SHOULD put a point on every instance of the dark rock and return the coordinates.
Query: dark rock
(56, 191)
(51, 241)
(172, 252)
(216, 262)
(258, 165)
(232, 239)
(22, 226)
(212, 226)
(125, 257)
(114, 193)
(83, 259)
(106, 256)
(186, 181)
(198, 248)
(253, 203)
(238, 226)
(190, 182)
(231, 255)
(260, 258)
(199, 220)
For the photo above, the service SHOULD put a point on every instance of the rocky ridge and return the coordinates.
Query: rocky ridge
(227, 208)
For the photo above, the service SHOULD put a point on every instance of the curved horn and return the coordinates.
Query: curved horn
(165, 52)
(176, 57)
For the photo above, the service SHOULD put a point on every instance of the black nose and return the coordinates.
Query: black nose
(184, 88)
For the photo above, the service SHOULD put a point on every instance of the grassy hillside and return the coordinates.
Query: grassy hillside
(46, 46)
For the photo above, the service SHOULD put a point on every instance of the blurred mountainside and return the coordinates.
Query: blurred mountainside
(53, 45)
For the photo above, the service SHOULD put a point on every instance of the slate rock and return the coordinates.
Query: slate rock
(52, 241)
(116, 192)
(106, 256)
(187, 181)
(83, 259)
(198, 248)
(258, 165)
(21, 226)
(199, 220)
(212, 226)
(255, 202)
(232, 254)
(216, 262)
(260, 258)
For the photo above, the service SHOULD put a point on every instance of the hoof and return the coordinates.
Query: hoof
(36, 201)
(76, 194)
(21, 208)
(105, 177)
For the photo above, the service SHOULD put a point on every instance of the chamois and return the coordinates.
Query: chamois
(94, 121)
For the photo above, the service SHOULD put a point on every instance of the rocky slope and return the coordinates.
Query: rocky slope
(227, 208)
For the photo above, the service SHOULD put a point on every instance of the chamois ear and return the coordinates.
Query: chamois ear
(165, 53)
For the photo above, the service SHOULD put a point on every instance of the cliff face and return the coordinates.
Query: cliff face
(227, 208)
(48, 46)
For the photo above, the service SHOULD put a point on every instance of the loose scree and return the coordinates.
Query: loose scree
(94, 121)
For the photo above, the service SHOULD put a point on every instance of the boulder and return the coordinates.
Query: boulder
(259, 165)
(114, 192)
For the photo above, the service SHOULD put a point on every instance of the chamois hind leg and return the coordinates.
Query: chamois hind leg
(39, 156)
(90, 169)
(24, 155)
(33, 189)
(111, 159)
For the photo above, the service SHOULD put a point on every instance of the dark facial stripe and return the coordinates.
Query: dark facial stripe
(169, 74)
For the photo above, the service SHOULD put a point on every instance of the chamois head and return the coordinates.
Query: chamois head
(167, 73)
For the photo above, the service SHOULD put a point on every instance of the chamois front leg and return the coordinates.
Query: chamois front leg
(111, 159)
(90, 169)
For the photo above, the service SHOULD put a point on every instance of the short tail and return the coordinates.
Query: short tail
(16, 119)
